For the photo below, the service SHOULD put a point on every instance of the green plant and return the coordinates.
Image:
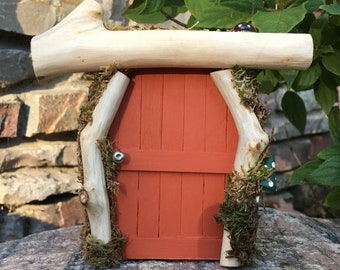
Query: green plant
(320, 18)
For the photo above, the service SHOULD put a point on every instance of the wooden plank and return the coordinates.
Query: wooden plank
(173, 111)
(213, 197)
(191, 248)
(232, 135)
(170, 205)
(171, 161)
(127, 203)
(148, 204)
(216, 129)
(192, 200)
(151, 111)
(128, 127)
(194, 115)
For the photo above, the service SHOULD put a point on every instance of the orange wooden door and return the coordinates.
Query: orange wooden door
(180, 140)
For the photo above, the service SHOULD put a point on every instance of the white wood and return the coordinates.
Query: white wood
(81, 43)
(252, 139)
(97, 206)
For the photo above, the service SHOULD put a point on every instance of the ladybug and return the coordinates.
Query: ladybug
(243, 27)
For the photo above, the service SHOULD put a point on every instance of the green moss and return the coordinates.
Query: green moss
(239, 210)
(247, 87)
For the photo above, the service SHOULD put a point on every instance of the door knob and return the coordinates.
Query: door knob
(118, 156)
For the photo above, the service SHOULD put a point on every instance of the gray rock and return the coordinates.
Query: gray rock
(317, 122)
(65, 94)
(34, 218)
(285, 153)
(38, 154)
(32, 17)
(16, 65)
(26, 185)
(287, 241)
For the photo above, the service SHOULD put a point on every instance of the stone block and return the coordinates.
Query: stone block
(288, 152)
(9, 117)
(32, 184)
(38, 154)
(31, 17)
(320, 142)
(53, 111)
(55, 214)
(317, 122)
(16, 66)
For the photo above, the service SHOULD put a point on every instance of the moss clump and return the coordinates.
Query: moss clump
(239, 210)
(103, 255)
(94, 251)
(247, 87)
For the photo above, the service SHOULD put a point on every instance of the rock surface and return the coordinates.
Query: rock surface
(38, 154)
(49, 106)
(32, 17)
(287, 241)
(39, 217)
(9, 118)
(32, 184)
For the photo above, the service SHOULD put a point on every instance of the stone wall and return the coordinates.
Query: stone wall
(38, 122)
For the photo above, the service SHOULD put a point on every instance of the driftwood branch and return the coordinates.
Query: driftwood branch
(97, 206)
(253, 140)
(81, 43)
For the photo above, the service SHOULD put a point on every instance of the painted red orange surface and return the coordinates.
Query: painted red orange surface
(180, 140)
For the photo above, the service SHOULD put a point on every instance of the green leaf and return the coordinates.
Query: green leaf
(329, 152)
(294, 109)
(268, 81)
(281, 21)
(316, 29)
(306, 78)
(300, 176)
(335, 20)
(334, 125)
(332, 62)
(149, 11)
(136, 13)
(152, 6)
(289, 76)
(248, 6)
(325, 95)
(313, 5)
(209, 14)
(327, 174)
(333, 9)
(325, 49)
(333, 199)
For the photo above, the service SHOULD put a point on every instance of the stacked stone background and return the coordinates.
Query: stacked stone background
(38, 123)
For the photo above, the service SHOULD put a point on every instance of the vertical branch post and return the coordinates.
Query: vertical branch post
(97, 204)
(253, 140)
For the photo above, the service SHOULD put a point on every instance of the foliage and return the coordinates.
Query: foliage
(320, 18)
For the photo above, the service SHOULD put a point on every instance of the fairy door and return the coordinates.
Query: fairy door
(179, 140)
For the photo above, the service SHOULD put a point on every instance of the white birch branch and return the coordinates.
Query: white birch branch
(97, 206)
(252, 140)
(81, 43)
